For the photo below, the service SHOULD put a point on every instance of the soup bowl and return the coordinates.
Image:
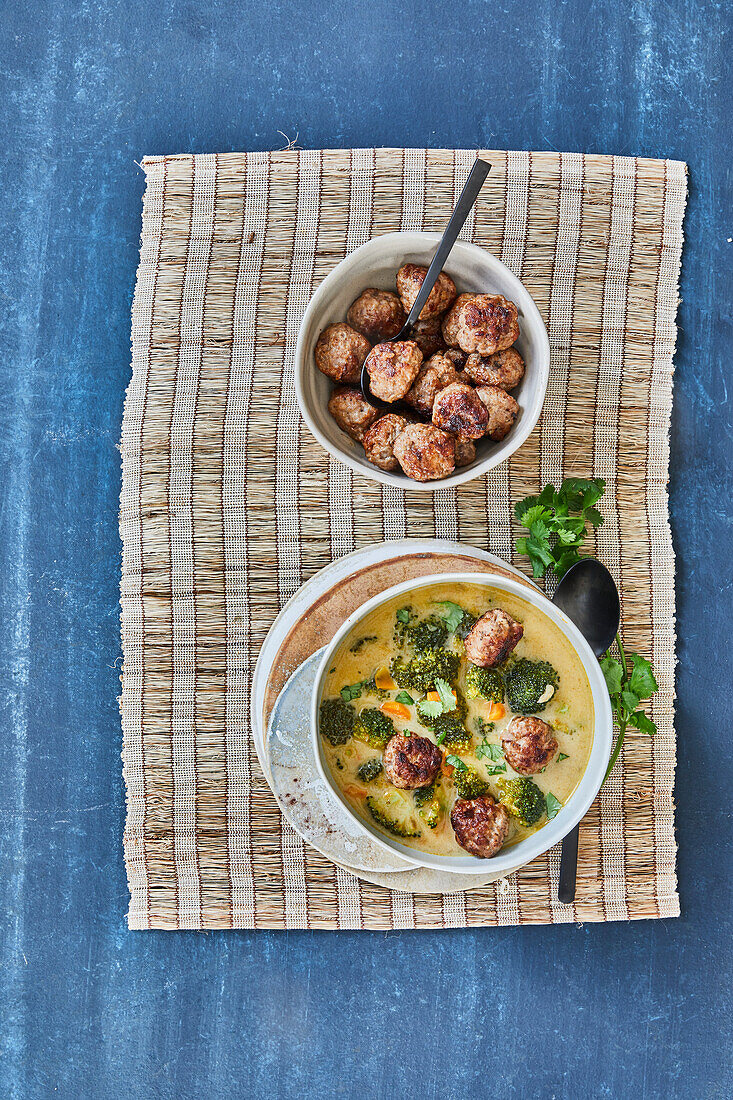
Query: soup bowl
(375, 264)
(575, 808)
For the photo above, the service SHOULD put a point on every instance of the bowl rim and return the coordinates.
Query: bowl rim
(529, 417)
(590, 783)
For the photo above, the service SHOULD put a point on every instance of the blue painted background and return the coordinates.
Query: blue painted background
(91, 1010)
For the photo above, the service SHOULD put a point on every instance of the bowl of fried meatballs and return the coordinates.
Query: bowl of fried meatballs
(462, 721)
(467, 385)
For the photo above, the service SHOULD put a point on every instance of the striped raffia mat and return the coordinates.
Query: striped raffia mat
(228, 503)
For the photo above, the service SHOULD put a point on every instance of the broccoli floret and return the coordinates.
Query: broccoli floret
(368, 687)
(428, 803)
(431, 814)
(468, 783)
(527, 683)
(482, 727)
(336, 721)
(421, 795)
(457, 737)
(426, 634)
(448, 727)
(373, 728)
(486, 683)
(523, 799)
(393, 812)
(420, 673)
(369, 770)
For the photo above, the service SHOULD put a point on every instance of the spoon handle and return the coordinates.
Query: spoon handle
(568, 867)
(467, 198)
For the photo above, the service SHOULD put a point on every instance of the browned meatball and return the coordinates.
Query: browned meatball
(492, 638)
(411, 761)
(486, 323)
(504, 369)
(351, 411)
(503, 411)
(379, 441)
(425, 453)
(529, 745)
(377, 314)
(481, 825)
(411, 277)
(432, 377)
(465, 452)
(393, 368)
(458, 409)
(457, 357)
(428, 336)
(340, 352)
(452, 319)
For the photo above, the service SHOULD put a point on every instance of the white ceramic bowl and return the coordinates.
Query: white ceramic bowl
(376, 264)
(570, 814)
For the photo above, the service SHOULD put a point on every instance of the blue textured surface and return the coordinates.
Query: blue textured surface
(91, 1010)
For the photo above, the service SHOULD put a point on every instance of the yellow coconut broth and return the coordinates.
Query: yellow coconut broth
(372, 645)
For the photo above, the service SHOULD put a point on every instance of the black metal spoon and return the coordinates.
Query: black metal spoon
(467, 198)
(589, 597)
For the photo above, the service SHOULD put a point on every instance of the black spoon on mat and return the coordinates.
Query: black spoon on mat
(467, 198)
(589, 597)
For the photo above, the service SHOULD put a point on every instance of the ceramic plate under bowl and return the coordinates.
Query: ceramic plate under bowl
(375, 264)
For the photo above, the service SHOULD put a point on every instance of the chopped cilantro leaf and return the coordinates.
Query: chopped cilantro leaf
(454, 616)
(431, 708)
(447, 698)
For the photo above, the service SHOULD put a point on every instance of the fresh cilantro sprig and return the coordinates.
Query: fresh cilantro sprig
(628, 688)
(557, 522)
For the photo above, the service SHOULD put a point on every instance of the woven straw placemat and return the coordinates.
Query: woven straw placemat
(228, 503)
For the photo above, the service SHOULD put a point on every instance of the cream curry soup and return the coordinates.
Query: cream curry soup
(378, 686)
